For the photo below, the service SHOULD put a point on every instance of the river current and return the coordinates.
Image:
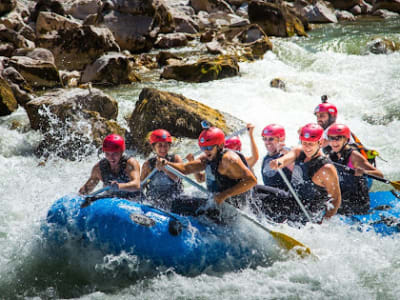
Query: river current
(334, 61)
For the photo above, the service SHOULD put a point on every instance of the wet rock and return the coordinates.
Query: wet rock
(383, 46)
(277, 83)
(174, 112)
(49, 6)
(22, 91)
(75, 48)
(6, 6)
(343, 15)
(110, 69)
(49, 21)
(384, 13)
(163, 57)
(211, 5)
(11, 36)
(70, 78)
(171, 40)
(275, 19)
(203, 70)
(65, 105)
(131, 32)
(344, 4)
(38, 73)
(41, 54)
(391, 5)
(320, 13)
(8, 103)
(80, 9)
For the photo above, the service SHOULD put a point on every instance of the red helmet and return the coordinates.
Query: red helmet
(211, 136)
(274, 130)
(160, 135)
(311, 132)
(234, 143)
(114, 143)
(326, 107)
(339, 129)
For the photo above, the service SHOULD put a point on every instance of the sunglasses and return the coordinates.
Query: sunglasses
(335, 138)
(208, 148)
(269, 139)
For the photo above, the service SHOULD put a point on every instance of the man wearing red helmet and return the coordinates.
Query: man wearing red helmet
(228, 170)
(274, 193)
(354, 187)
(234, 144)
(314, 179)
(120, 172)
(163, 185)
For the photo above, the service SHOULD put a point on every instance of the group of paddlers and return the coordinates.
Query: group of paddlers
(315, 170)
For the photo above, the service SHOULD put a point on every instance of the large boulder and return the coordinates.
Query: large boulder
(8, 103)
(174, 112)
(38, 73)
(392, 5)
(131, 32)
(73, 49)
(73, 122)
(110, 69)
(67, 104)
(205, 69)
(275, 19)
(49, 21)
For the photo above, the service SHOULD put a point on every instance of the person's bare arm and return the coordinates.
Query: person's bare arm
(362, 166)
(195, 166)
(327, 177)
(145, 170)
(93, 180)
(233, 167)
(201, 176)
(133, 171)
(252, 160)
(286, 159)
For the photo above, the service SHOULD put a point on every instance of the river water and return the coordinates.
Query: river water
(334, 61)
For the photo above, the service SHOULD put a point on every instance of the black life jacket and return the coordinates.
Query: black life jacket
(107, 176)
(354, 189)
(313, 196)
(221, 182)
(161, 186)
(271, 177)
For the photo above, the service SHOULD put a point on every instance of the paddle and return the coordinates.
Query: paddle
(395, 184)
(282, 239)
(88, 198)
(294, 194)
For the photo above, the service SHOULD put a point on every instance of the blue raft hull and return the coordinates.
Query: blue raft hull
(383, 216)
(187, 244)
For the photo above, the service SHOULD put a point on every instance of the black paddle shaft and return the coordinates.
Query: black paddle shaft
(352, 171)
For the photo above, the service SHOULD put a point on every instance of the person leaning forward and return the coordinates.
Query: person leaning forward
(314, 178)
(228, 169)
(120, 172)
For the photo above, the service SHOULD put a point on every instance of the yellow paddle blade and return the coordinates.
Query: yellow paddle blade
(289, 243)
(395, 184)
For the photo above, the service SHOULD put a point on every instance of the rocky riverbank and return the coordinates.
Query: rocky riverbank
(52, 53)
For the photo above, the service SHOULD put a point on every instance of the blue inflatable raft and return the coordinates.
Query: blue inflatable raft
(187, 244)
(383, 216)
